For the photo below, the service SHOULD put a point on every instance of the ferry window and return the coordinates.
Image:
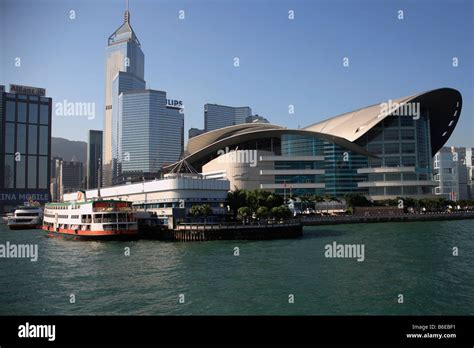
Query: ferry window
(22, 112)
(33, 113)
(32, 139)
(10, 111)
(32, 161)
(43, 140)
(44, 114)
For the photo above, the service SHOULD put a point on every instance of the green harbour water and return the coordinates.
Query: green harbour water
(410, 258)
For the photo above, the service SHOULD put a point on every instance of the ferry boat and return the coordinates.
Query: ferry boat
(91, 219)
(25, 217)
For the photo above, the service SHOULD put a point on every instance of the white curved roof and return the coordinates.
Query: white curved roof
(444, 105)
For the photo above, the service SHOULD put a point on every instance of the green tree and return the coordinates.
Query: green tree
(281, 212)
(262, 212)
(243, 213)
(235, 200)
(274, 200)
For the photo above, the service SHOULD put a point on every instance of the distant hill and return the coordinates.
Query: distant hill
(69, 150)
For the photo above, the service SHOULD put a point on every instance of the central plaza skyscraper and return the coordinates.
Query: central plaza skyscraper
(123, 54)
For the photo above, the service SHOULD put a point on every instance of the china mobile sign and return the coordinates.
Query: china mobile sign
(12, 196)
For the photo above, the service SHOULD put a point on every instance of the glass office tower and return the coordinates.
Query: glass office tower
(25, 117)
(94, 155)
(150, 134)
(123, 53)
(219, 116)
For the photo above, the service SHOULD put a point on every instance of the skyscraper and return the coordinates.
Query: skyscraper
(219, 116)
(94, 155)
(150, 134)
(70, 177)
(25, 119)
(123, 53)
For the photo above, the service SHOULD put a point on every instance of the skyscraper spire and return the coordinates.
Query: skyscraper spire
(127, 12)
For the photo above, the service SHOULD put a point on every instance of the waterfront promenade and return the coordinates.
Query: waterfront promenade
(405, 217)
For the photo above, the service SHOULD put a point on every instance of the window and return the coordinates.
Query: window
(43, 140)
(408, 147)
(376, 191)
(408, 160)
(375, 162)
(392, 177)
(407, 134)
(391, 134)
(32, 160)
(10, 111)
(391, 122)
(21, 172)
(375, 135)
(409, 176)
(391, 149)
(32, 139)
(410, 190)
(376, 149)
(44, 114)
(22, 112)
(43, 172)
(9, 171)
(33, 113)
(406, 122)
(21, 138)
(9, 137)
(375, 177)
(394, 191)
(392, 161)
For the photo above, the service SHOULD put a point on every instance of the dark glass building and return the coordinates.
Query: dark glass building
(94, 154)
(25, 142)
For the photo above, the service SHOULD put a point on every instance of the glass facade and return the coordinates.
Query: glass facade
(150, 133)
(219, 116)
(402, 145)
(339, 166)
(26, 147)
(94, 154)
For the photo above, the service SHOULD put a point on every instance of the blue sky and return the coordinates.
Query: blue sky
(282, 61)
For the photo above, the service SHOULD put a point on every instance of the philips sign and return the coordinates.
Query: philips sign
(171, 103)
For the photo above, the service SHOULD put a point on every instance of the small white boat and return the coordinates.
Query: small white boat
(26, 217)
(5, 218)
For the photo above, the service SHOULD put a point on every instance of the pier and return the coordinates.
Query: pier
(194, 232)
